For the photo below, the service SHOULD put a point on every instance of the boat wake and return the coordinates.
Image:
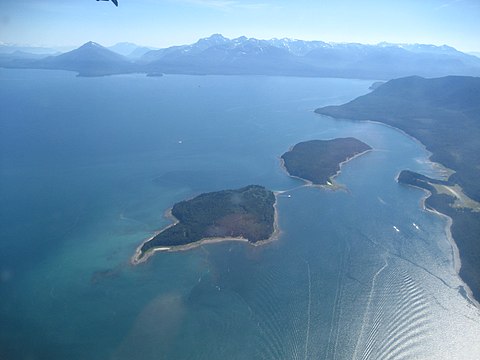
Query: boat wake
(397, 318)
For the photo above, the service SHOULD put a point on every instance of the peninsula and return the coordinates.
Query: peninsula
(246, 214)
(444, 114)
(317, 161)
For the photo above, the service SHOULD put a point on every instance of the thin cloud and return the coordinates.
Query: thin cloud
(448, 4)
(226, 4)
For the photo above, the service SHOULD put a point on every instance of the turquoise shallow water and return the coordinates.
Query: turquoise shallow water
(89, 166)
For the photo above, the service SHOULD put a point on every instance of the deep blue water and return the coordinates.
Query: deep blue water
(89, 165)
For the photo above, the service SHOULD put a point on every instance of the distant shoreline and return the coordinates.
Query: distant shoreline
(140, 257)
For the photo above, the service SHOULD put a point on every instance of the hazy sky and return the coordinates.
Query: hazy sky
(171, 22)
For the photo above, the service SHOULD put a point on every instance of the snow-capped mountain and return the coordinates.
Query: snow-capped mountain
(219, 55)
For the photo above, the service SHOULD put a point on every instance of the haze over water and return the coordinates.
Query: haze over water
(90, 165)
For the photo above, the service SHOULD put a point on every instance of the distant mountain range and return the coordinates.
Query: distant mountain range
(219, 55)
(130, 50)
(11, 48)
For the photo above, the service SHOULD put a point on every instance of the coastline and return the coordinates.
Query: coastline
(457, 261)
(333, 185)
(140, 257)
(137, 258)
(340, 165)
(446, 172)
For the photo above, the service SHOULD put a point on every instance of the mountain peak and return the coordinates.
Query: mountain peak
(240, 39)
(216, 37)
(91, 44)
(90, 59)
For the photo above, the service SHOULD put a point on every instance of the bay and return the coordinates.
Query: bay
(90, 165)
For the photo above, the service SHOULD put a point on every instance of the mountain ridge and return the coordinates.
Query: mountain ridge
(218, 55)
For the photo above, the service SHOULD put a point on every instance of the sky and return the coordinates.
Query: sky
(162, 23)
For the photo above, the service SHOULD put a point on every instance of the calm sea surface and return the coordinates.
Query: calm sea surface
(89, 165)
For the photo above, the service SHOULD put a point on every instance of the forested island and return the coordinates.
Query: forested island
(444, 114)
(318, 160)
(246, 214)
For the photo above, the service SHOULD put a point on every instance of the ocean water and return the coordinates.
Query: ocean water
(89, 166)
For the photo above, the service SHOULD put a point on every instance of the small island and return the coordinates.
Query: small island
(246, 214)
(317, 161)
